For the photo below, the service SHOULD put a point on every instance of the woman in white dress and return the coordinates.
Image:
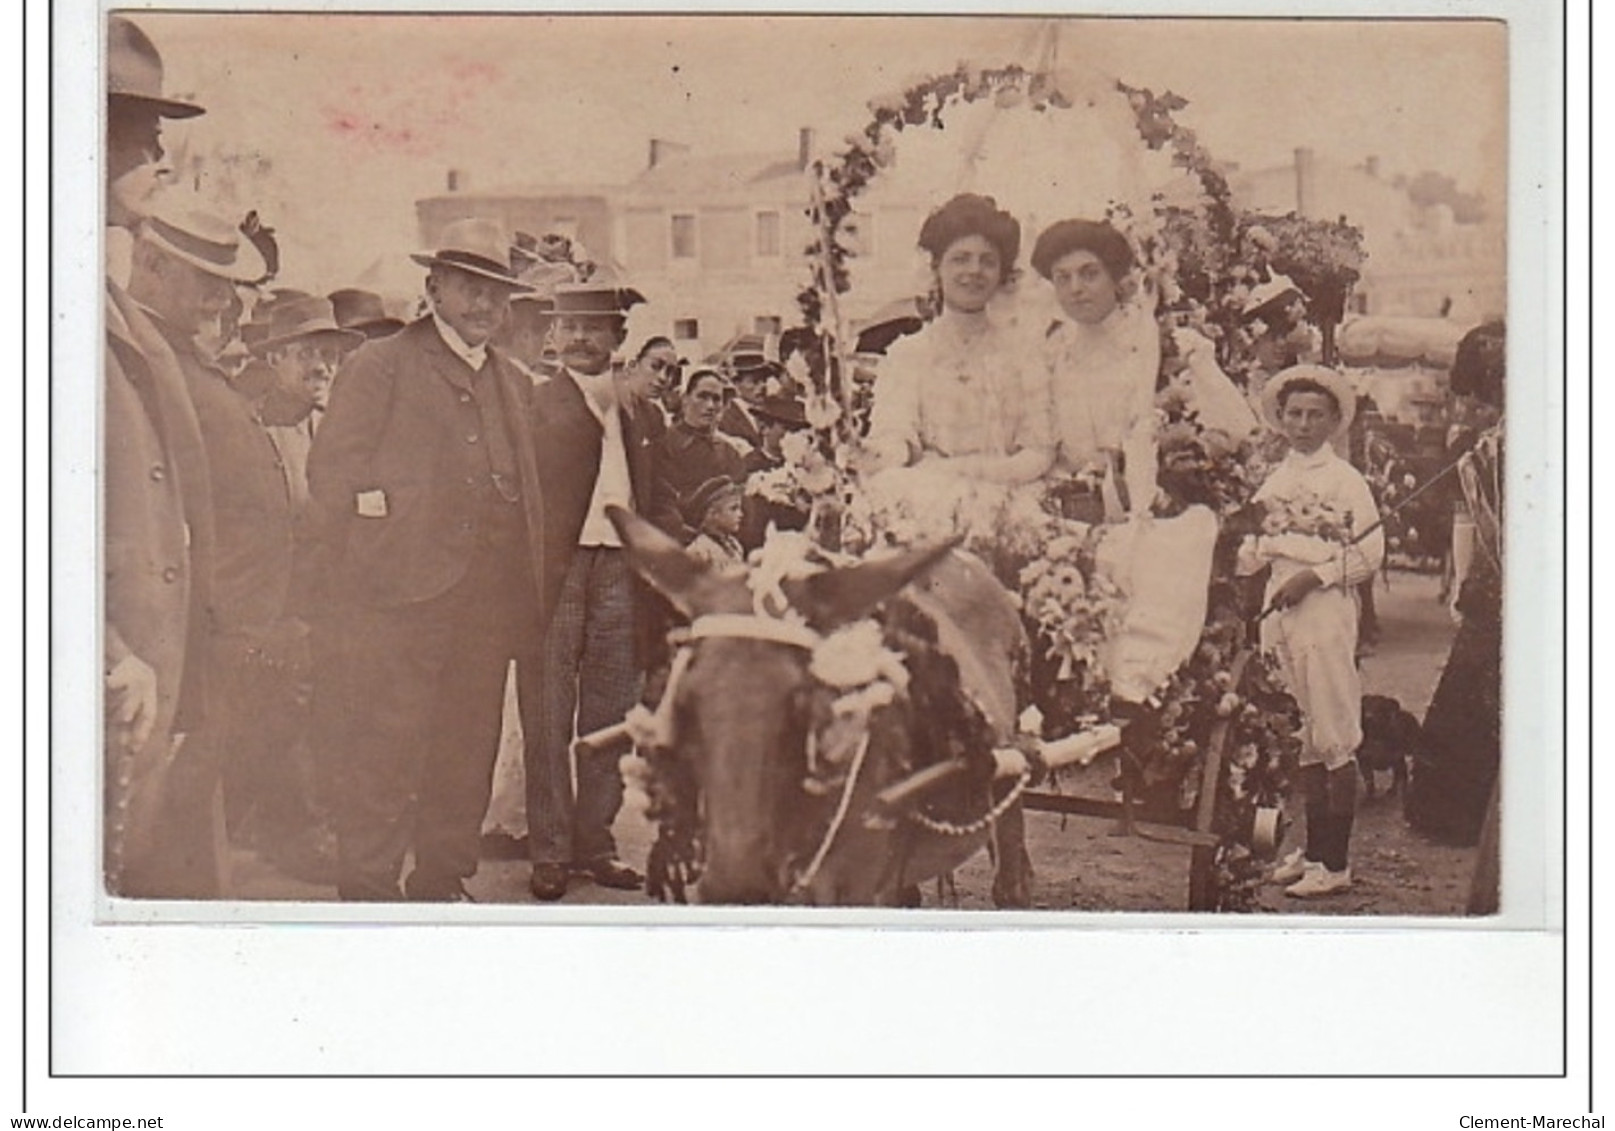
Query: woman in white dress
(1102, 355)
(962, 397)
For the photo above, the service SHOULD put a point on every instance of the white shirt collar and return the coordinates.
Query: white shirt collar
(473, 356)
(599, 391)
(1324, 455)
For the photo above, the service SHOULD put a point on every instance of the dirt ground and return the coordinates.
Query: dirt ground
(1079, 863)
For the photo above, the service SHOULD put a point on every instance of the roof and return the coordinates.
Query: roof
(702, 176)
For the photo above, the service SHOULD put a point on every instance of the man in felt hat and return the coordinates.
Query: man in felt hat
(425, 521)
(749, 370)
(303, 345)
(162, 832)
(593, 453)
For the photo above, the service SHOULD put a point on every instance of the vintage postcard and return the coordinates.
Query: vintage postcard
(787, 468)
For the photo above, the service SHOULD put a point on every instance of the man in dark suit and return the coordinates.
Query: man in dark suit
(425, 503)
(184, 270)
(749, 370)
(592, 452)
(159, 833)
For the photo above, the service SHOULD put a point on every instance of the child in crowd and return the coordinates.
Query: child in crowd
(715, 508)
(1317, 510)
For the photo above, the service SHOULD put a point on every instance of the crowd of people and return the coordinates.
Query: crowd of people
(331, 532)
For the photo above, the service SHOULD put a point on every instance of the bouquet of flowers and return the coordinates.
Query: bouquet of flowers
(1304, 514)
(1199, 465)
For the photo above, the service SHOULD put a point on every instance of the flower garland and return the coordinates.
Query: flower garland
(1203, 263)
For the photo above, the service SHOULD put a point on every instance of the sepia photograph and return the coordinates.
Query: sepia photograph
(1036, 464)
(791, 543)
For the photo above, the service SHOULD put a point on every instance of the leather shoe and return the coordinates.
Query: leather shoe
(548, 882)
(611, 873)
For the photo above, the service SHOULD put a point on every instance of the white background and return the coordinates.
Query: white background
(1124, 997)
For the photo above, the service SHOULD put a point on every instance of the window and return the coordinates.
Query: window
(768, 234)
(766, 324)
(683, 236)
(686, 329)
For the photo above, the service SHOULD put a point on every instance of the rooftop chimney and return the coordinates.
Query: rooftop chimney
(457, 180)
(804, 147)
(661, 149)
(1305, 179)
(1371, 166)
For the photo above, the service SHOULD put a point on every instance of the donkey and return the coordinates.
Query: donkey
(747, 721)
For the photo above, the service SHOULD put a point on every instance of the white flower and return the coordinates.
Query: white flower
(794, 446)
(822, 412)
(850, 657)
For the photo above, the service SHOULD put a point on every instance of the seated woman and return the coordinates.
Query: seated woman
(1102, 358)
(961, 397)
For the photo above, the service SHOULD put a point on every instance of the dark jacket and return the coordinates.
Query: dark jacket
(735, 422)
(404, 422)
(158, 557)
(252, 506)
(685, 459)
(566, 440)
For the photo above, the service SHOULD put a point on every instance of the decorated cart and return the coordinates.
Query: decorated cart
(1138, 636)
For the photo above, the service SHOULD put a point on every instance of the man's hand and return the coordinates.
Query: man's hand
(132, 698)
(1295, 590)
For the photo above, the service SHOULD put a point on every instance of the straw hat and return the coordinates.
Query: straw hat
(1338, 384)
(475, 246)
(205, 241)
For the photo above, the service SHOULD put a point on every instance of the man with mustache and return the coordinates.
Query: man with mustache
(425, 517)
(592, 452)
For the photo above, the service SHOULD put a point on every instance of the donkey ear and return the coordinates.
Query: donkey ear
(840, 596)
(689, 584)
(659, 559)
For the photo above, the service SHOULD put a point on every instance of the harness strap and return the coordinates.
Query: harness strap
(750, 626)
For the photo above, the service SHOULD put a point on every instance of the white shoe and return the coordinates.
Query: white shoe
(1291, 868)
(1319, 881)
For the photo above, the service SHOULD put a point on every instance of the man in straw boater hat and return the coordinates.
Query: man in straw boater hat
(1321, 538)
(425, 521)
(593, 452)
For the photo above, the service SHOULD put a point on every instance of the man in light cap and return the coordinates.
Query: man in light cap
(593, 452)
(159, 834)
(425, 516)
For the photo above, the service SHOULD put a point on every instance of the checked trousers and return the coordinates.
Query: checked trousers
(586, 678)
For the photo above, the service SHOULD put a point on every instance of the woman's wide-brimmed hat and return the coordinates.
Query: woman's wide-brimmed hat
(1063, 237)
(478, 247)
(1337, 383)
(297, 319)
(363, 311)
(969, 214)
(135, 71)
(206, 241)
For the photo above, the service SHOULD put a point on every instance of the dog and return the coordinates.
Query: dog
(1391, 738)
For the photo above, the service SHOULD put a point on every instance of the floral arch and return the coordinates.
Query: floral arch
(1202, 257)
